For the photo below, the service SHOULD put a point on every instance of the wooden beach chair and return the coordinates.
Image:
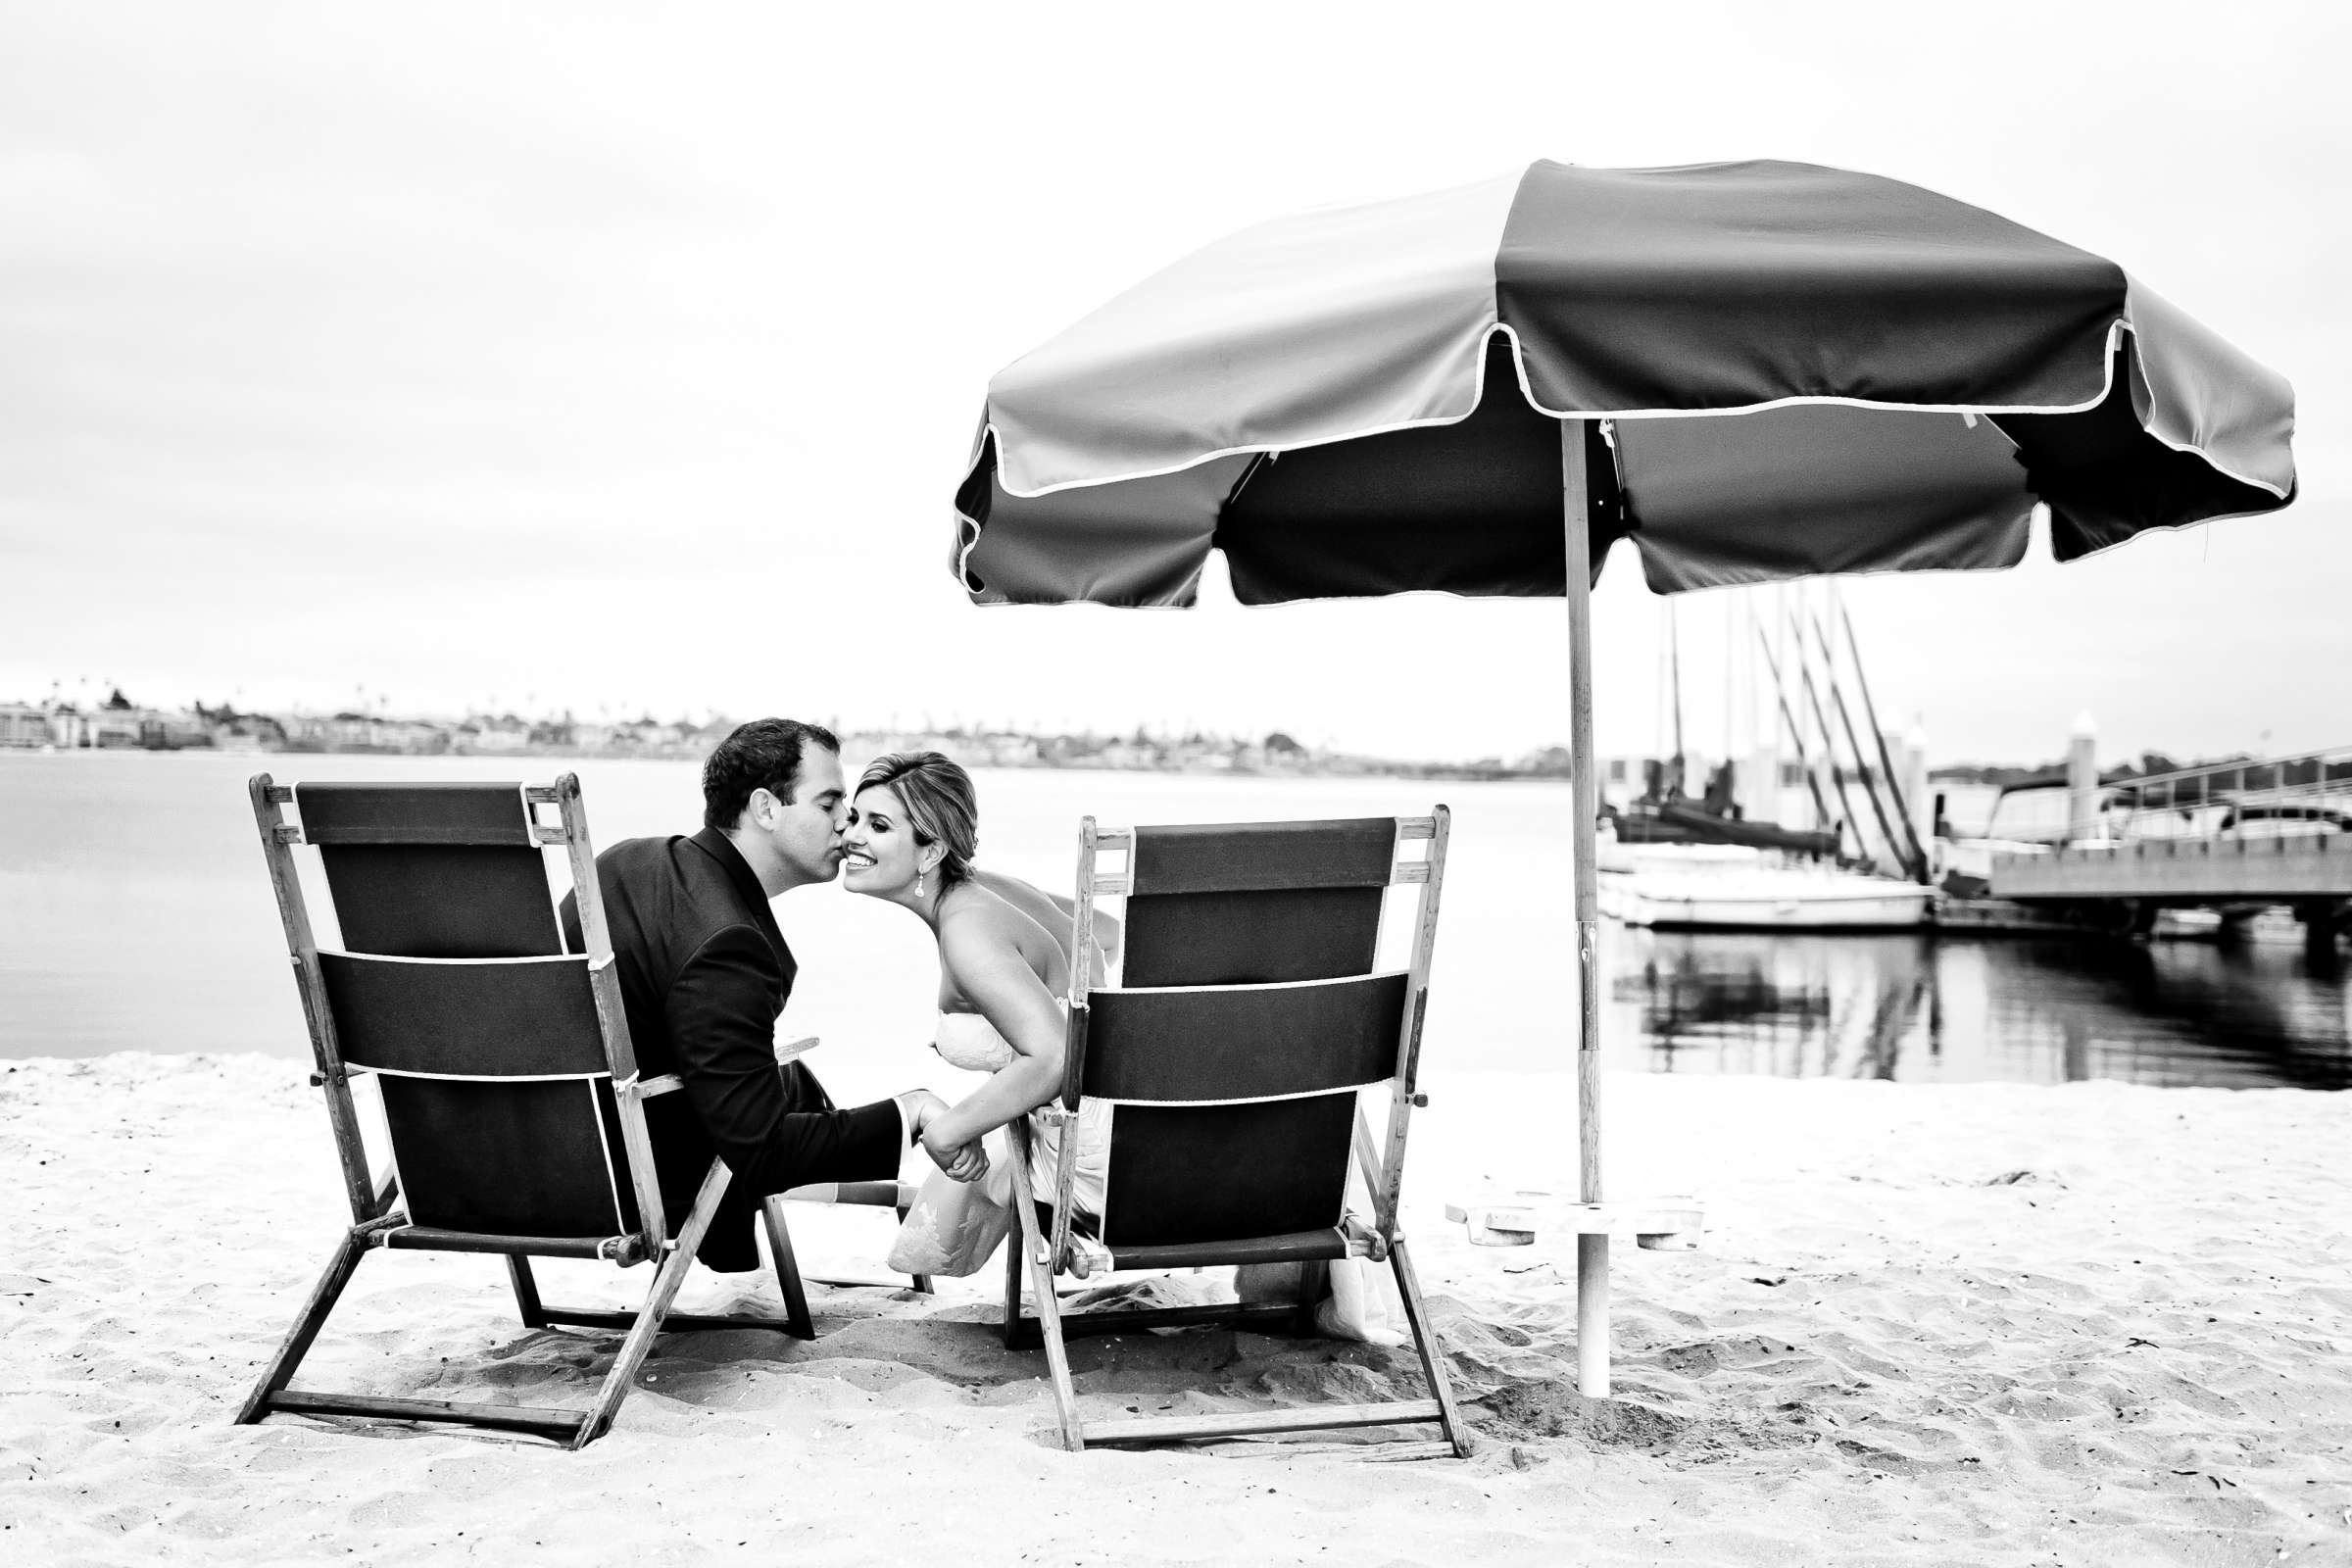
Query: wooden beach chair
(509, 1091)
(1247, 1020)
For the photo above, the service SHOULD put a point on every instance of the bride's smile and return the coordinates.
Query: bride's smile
(880, 854)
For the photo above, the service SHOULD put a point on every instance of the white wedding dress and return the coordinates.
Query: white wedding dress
(955, 1227)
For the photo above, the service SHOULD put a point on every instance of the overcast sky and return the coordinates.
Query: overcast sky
(628, 357)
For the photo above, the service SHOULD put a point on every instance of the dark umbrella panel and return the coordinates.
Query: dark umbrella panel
(1754, 372)
(1364, 401)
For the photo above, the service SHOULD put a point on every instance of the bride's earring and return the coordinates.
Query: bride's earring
(918, 883)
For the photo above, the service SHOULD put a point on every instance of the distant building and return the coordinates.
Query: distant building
(68, 728)
(417, 735)
(112, 728)
(363, 733)
(161, 731)
(501, 735)
(22, 727)
(1007, 750)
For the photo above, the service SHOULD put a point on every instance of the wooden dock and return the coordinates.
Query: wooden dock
(1991, 916)
(2302, 869)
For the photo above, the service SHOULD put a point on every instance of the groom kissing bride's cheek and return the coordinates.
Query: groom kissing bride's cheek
(705, 972)
(1006, 952)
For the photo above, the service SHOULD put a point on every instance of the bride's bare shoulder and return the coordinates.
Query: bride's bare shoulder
(981, 923)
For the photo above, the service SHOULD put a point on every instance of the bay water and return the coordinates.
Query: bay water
(135, 914)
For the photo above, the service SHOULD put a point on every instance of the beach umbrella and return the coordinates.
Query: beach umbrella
(1753, 371)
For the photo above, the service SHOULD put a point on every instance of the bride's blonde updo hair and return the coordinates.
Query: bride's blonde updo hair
(940, 805)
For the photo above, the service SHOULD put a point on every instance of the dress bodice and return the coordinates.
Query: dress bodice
(967, 1040)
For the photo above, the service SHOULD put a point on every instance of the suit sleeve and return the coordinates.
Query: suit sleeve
(721, 1012)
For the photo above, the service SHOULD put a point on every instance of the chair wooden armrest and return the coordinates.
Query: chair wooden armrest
(670, 1082)
(1065, 1186)
(874, 1194)
(1365, 1238)
(1089, 1258)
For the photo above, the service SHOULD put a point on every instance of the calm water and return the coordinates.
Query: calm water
(135, 914)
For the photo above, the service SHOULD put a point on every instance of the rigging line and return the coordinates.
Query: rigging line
(1870, 786)
(1657, 702)
(1870, 712)
(1781, 600)
(1828, 745)
(1821, 805)
(1732, 673)
(1674, 647)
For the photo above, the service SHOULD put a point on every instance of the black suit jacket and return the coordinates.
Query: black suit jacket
(703, 972)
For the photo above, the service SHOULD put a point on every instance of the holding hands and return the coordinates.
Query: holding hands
(963, 1162)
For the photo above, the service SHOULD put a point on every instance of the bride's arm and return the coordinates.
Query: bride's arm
(988, 969)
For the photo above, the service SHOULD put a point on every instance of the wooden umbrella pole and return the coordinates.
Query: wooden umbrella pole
(1591, 1250)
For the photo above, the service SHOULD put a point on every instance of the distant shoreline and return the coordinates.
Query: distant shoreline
(980, 755)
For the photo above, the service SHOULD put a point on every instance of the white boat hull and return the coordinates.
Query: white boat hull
(1767, 901)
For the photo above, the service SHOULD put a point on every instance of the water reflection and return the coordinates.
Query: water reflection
(2175, 1012)
(1914, 1008)
(1793, 1007)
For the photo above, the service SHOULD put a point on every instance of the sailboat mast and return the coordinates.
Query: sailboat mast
(1829, 746)
(1673, 654)
(1870, 786)
(1870, 712)
(1795, 733)
(1731, 696)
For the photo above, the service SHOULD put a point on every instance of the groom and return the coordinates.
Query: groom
(704, 973)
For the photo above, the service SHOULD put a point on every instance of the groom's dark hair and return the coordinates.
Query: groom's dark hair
(764, 755)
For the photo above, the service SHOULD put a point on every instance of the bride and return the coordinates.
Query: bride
(1004, 964)
(1005, 958)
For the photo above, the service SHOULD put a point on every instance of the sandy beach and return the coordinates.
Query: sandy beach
(1966, 1324)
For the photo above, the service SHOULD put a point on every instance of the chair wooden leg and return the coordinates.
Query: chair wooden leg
(797, 1321)
(1032, 1244)
(307, 1324)
(667, 1280)
(526, 1292)
(1015, 1331)
(1433, 1355)
(890, 1195)
(1315, 1282)
(922, 1282)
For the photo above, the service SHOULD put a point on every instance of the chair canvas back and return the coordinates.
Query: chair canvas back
(453, 988)
(1247, 1018)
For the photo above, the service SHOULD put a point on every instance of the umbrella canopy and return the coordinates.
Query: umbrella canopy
(1756, 370)
(1366, 400)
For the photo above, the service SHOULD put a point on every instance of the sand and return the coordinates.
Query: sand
(1966, 1325)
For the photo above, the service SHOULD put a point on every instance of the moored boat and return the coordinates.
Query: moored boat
(1764, 897)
